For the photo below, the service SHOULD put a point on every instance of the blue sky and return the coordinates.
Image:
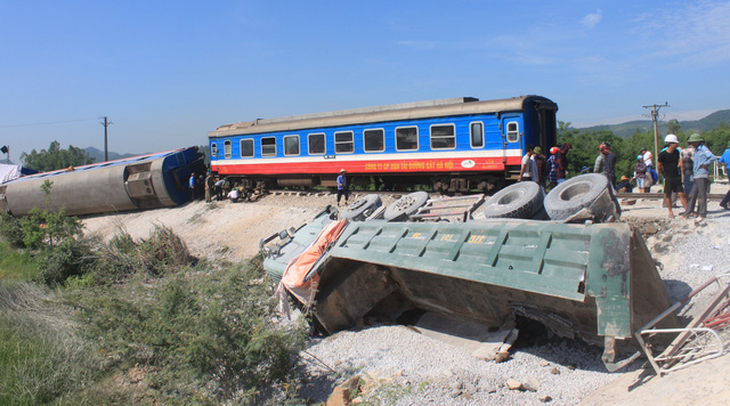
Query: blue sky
(167, 72)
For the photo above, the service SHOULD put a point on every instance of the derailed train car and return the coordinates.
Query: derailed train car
(143, 182)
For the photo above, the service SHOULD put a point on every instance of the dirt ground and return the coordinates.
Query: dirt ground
(232, 231)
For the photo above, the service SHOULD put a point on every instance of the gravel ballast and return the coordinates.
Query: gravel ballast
(402, 367)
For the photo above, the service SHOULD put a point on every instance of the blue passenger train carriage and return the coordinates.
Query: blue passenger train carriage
(457, 144)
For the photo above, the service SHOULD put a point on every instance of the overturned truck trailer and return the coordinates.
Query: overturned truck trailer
(595, 282)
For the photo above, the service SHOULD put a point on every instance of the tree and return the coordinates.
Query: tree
(55, 158)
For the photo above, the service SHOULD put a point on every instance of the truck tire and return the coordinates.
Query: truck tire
(574, 195)
(361, 208)
(405, 206)
(519, 200)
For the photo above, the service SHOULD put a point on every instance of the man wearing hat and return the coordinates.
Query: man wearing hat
(342, 187)
(541, 165)
(702, 160)
(668, 163)
(606, 163)
(725, 160)
(625, 185)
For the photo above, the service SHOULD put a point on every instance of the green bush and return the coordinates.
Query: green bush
(11, 230)
(197, 330)
(161, 254)
(72, 257)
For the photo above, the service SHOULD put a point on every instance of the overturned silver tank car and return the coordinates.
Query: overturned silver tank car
(142, 182)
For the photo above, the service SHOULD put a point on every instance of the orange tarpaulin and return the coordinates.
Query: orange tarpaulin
(295, 275)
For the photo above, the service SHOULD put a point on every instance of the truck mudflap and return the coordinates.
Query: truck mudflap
(594, 282)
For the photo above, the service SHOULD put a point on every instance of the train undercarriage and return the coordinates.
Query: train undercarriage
(487, 182)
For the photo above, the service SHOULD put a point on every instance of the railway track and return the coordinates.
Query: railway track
(659, 196)
(397, 194)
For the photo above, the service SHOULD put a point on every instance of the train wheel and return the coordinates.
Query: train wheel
(574, 195)
(520, 200)
(406, 205)
(361, 208)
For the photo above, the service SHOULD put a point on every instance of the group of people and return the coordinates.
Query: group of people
(684, 170)
(217, 187)
(548, 172)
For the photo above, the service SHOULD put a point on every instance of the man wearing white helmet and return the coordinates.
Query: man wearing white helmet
(668, 164)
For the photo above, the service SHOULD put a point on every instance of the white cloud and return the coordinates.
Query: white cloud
(692, 34)
(592, 20)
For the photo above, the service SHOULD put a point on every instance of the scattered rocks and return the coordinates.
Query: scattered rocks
(531, 384)
(513, 384)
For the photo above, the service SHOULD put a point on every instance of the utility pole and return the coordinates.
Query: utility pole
(106, 125)
(654, 113)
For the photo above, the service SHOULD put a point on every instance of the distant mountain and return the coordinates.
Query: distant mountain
(98, 154)
(629, 128)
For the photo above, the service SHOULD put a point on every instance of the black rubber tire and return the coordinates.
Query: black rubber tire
(518, 200)
(360, 208)
(575, 194)
(405, 206)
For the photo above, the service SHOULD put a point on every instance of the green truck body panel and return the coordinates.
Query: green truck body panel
(596, 282)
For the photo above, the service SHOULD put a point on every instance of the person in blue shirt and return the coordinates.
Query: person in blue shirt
(342, 186)
(191, 185)
(725, 160)
(701, 170)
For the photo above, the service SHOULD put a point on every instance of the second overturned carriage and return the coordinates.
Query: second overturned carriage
(453, 144)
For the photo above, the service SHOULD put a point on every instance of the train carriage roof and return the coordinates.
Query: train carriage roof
(405, 111)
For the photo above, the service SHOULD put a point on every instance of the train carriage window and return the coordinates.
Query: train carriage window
(406, 138)
(291, 145)
(443, 136)
(344, 142)
(227, 149)
(268, 146)
(476, 132)
(513, 131)
(316, 144)
(374, 140)
(246, 148)
(214, 150)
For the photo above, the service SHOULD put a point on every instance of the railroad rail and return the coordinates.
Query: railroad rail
(658, 196)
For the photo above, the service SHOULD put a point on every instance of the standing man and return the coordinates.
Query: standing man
(703, 158)
(688, 161)
(541, 165)
(725, 160)
(342, 187)
(552, 166)
(209, 187)
(528, 171)
(606, 163)
(563, 162)
(668, 164)
(191, 185)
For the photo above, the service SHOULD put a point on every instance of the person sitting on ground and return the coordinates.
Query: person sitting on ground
(234, 195)
(625, 185)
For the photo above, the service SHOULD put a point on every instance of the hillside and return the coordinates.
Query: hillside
(98, 155)
(629, 128)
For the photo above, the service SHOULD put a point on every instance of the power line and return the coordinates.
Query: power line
(46, 123)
